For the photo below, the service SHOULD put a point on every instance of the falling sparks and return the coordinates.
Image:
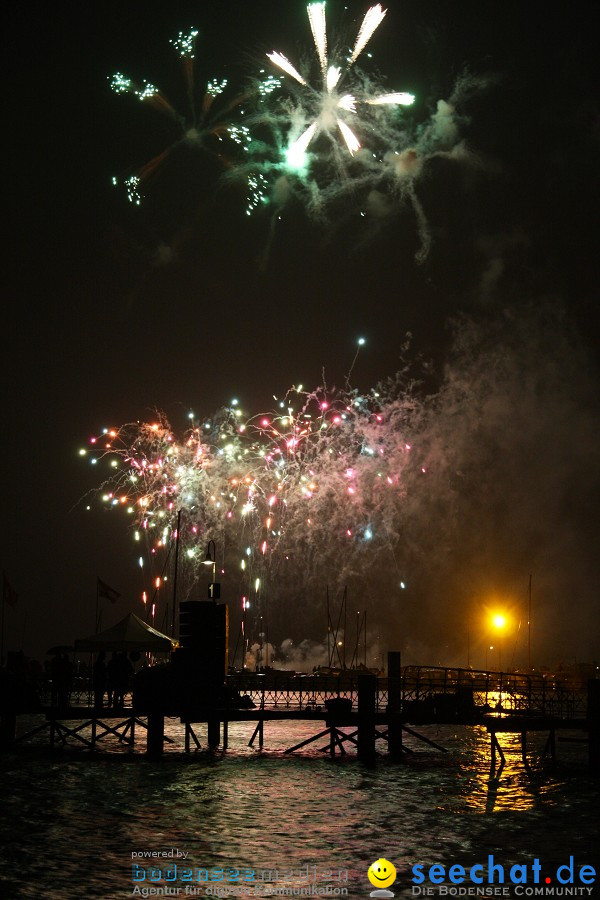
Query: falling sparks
(257, 192)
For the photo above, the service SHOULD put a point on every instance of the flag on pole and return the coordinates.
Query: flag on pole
(9, 595)
(107, 592)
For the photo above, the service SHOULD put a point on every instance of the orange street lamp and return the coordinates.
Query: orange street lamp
(499, 621)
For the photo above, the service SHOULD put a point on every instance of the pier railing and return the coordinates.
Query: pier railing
(419, 690)
(485, 692)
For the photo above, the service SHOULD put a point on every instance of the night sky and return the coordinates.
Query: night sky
(113, 311)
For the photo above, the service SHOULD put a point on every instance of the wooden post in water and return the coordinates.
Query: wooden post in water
(394, 704)
(156, 733)
(214, 733)
(593, 723)
(367, 686)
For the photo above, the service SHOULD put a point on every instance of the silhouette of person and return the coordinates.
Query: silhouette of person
(123, 672)
(54, 679)
(111, 680)
(99, 679)
(61, 672)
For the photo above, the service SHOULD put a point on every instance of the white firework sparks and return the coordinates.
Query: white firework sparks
(332, 105)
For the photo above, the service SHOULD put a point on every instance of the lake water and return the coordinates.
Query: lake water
(71, 822)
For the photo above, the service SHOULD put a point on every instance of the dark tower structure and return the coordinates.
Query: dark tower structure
(200, 663)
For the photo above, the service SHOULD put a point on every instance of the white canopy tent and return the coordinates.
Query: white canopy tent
(131, 633)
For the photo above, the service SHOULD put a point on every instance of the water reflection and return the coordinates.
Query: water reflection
(72, 820)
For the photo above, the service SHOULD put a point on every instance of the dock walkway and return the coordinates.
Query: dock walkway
(371, 708)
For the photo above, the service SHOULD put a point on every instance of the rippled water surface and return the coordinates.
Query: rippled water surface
(71, 821)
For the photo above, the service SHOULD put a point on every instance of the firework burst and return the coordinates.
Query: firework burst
(338, 142)
(308, 494)
(328, 106)
(314, 127)
(206, 119)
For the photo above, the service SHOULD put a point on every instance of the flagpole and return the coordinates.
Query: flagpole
(529, 628)
(175, 574)
(97, 601)
(328, 630)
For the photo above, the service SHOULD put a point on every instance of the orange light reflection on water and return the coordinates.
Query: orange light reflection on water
(510, 787)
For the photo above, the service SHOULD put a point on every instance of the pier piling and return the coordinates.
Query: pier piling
(155, 734)
(367, 688)
(394, 704)
(213, 733)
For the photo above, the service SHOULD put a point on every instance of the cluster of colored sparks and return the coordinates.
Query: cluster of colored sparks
(277, 491)
(199, 123)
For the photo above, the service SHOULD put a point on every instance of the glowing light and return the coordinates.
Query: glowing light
(296, 153)
(333, 76)
(398, 99)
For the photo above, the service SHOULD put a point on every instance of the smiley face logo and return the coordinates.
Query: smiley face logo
(381, 873)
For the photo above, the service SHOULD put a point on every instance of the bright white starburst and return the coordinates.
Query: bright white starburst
(332, 103)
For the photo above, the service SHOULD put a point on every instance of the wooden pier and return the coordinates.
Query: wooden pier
(351, 709)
